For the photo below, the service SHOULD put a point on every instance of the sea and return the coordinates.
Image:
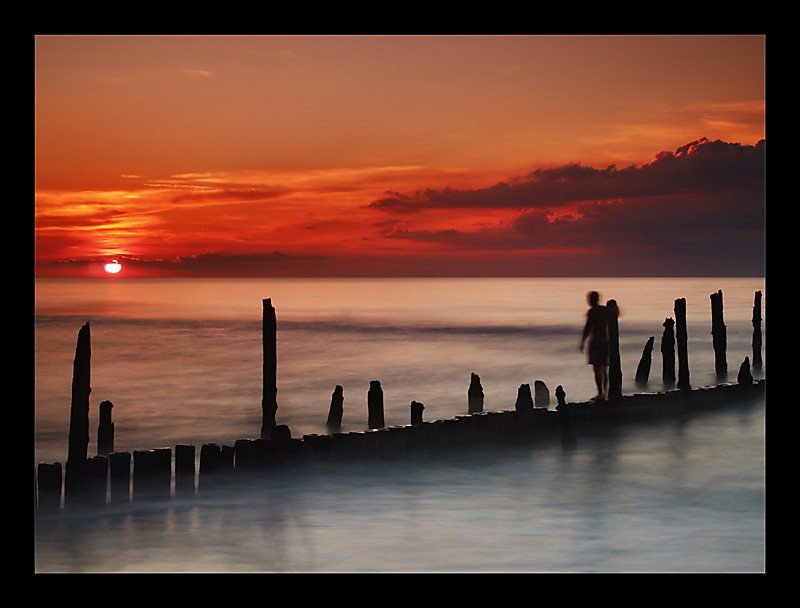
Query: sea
(181, 361)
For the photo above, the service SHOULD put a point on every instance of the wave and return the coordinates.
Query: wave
(335, 326)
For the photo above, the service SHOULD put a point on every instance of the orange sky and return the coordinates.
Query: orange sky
(376, 155)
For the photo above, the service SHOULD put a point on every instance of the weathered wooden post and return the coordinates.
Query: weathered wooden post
(541, 394)
(210, 455)
(643, 369)
(79, 412)
(565, 423)
(227, 457)
(416, 413)
(152, 473)
(757, 362)
(614, 364)
(683, 344)
(375, 418)
(718, 335)
(269, 400)
(475, 394)
(119, 464)
(105, 430)
(143, 467)
(184, 468)
(745, 378)
(524, 402)
(668, 352)
(96, 480)
(336, 410)
(49, 484)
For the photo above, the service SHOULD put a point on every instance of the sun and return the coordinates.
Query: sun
(113, 267)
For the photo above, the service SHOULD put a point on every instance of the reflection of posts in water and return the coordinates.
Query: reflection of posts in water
(375, 405)
(269, 400)
(475, 394)
(643, 369)
(683, 348)
(757, 331)
(614, 365)
(668, 352)
(719, 336)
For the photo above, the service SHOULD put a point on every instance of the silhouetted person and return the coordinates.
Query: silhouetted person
(596, 330)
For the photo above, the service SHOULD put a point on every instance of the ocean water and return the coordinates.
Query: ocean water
(181, 361)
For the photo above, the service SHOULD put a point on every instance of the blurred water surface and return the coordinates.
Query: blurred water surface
(181, 361)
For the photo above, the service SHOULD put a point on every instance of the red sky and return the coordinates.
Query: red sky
(400, 155)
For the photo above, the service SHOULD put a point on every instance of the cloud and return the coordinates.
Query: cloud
(701, 166)
(701, 206)
(194, 74)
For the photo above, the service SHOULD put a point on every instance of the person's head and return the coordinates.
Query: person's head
(593, 297)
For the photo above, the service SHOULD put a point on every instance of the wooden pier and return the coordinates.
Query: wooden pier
(118, 477)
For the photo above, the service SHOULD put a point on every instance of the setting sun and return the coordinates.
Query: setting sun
(113, 267)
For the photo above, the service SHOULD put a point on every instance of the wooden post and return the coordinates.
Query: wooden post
(119, 464)
(105, 430)
(184, 468)
(336, 410)
(97, 479)
(416, 413)
(375, 405)
(269, 402)
(524, 402)
(210, 455)
(745, 378)
(614, 364)
(643, 370)
(565, 423)
(668, 352)
(683, 347)
(152, 473)
(79, 412)
(541, 395)
(475, 394)
(163, 471)
(718, 335)
(227, 456)
(49, 484)
(757, 362)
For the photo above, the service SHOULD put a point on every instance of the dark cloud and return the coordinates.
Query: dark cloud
(700, 207)
(701, 166)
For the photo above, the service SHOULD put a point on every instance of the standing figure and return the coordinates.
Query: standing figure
(596, 330)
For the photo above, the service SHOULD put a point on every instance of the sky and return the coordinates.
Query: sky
(400, 155)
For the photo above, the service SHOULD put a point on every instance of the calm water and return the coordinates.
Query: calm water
(181, 361)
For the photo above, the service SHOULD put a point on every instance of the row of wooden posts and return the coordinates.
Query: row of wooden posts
(87, 477)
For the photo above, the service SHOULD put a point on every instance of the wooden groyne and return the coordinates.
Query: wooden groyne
(119, 477)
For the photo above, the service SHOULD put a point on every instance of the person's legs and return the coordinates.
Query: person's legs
(599, 380)
(604, 382)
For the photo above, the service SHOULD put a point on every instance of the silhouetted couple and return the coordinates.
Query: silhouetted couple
(596, 330)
